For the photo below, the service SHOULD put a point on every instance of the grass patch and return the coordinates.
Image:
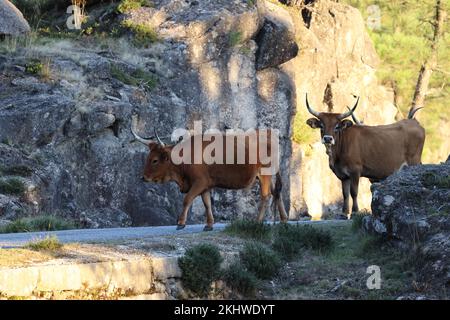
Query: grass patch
(39, 223)
(357, 220)
(239, 279)
(430, 179)
(200, 266)
(137, 78)
(144, 34)
(50, 243)
(129, 5)
(235, 38)
(290, 239)
(249, 229)
(12, 186)
(260, 260)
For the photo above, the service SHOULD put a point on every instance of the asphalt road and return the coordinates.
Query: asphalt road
(14, 240)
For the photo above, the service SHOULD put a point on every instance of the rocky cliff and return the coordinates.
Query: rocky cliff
(412, 208)
(64, 129)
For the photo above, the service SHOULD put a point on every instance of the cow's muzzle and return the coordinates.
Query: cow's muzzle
(328, 140)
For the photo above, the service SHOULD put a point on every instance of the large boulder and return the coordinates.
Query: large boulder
(276, 45)
(12, 21)
(412, 208)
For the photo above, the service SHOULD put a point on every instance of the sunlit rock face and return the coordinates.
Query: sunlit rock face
(74, 128)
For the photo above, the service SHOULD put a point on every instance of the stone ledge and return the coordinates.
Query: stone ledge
(137, 276)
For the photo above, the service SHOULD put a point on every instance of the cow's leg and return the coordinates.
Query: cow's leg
(354, 184)
(281, 209)
(195, 190)
(206, 197)
(265, 183)
(346, 196)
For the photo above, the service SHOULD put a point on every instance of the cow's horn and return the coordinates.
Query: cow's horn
(314, 113)
(159, 140)
(145, 141)
(355, 120)
(412, 111)
(350, 112)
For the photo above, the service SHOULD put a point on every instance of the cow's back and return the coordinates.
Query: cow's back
(382, 150)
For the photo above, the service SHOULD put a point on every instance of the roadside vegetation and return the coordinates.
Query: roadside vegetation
(49, 243)
(328, 261)
(38, 223)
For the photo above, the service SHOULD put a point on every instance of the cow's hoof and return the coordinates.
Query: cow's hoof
(208, 228)
(180, 226)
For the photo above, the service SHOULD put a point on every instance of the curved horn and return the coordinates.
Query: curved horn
(145, 141)
(314, 113)
(413, 111)
(355, 120)
(350, 112)
(159, 140)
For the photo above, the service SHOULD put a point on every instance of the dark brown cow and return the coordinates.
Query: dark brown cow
(374, 152)
(199, 179)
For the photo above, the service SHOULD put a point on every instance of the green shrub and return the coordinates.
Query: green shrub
(50, 243)
(240, 279)
(290, 239)
(12, 186)
(200, 266)
(34, 66)
(38, 223)
(249, 229)
(260, 260)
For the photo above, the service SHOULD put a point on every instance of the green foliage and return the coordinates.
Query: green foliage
(50, 243)
(403, 44)
(144, 34)
(34, 67)
(138, 77)
(235, 38)
(240, 279)
(260, 260)
(129, 5)
(38, 223)
(200, 266)
(12, 186)
(302, 133)
(434, 180)
(357, 220)
(251, 3)
(249, 229)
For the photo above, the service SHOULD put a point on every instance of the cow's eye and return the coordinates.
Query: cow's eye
(337, 128)
(155, 161)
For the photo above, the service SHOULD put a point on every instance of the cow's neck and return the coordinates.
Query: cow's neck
(177, 175)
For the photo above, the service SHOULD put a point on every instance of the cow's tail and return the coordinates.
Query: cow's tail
(413, 111)
(276, 192)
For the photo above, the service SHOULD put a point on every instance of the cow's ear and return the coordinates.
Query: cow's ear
(313, 123)
(346, 124)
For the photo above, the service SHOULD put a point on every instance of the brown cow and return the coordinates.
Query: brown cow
(199, 179)
(374, 152)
